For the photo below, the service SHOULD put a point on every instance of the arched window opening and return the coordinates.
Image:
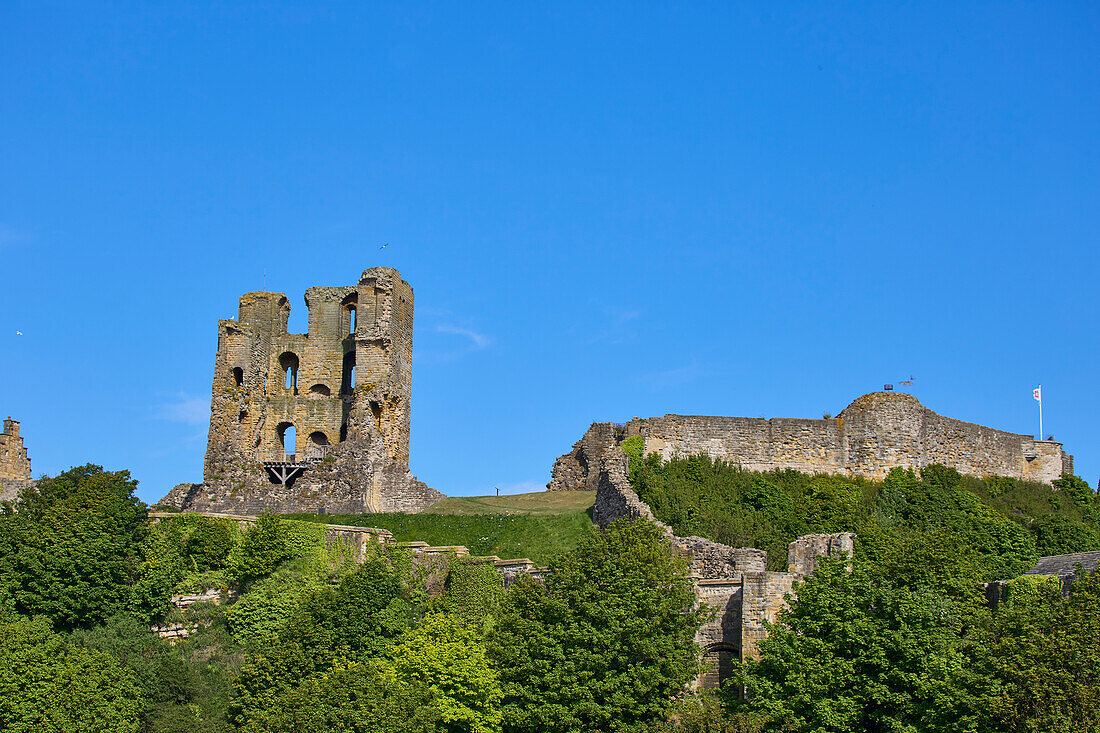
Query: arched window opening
(317, 437)
(288, 362)
(376, 410)
(347, 383)
(242, 415)
(288, 437)
(238, 376)
(349, 305)
(320, 389)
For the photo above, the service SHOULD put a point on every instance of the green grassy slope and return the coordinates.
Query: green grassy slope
(541, 502)
(537, 526)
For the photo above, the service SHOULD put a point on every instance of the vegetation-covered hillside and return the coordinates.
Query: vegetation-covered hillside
(538, 531)
(1004, 523)
(305, 636)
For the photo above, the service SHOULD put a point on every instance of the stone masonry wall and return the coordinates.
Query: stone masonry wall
(15, 465)
(877, 432)
(733, 583)
(345, 388)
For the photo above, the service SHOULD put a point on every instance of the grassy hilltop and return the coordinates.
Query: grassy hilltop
(538, 526)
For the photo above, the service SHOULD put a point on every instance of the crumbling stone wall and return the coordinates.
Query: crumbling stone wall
(733, 582)
(345, 387)
(15, 465)
(803, 553)
(875, 433)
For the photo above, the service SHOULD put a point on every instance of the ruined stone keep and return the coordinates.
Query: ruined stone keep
(875, 433)
(316, 421)
(15, 465)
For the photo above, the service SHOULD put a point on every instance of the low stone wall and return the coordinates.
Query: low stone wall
(174, 631)
(10, 488)
(804, 552)
(362, 538)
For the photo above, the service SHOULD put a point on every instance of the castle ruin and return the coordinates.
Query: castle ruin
(313, 422)
(15, 465)
(732, 582)
(877, 432)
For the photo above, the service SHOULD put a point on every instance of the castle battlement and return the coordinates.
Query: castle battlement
(875, 433)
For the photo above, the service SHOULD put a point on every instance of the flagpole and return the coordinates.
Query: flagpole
(1040, 412)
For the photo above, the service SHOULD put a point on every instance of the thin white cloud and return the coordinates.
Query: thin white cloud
(187, 410)
(477, 340)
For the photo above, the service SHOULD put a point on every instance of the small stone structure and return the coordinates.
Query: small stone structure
(173, 631)
(733, 581)
(875, 433)
(15, 465)
(343, 391)
(1063, 567)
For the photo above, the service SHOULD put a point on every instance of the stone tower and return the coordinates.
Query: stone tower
(313, 421)
(15, 465)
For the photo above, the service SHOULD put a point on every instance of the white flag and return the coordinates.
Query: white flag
(1038, 392)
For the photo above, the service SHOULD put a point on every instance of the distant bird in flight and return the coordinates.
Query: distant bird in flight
(387, 244)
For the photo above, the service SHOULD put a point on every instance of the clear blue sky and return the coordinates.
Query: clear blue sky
(703, 208)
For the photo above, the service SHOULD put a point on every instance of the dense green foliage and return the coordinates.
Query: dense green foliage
(900, 637)
(1046, 657)
(858, 652)
(606, 643)
(72, 549)
(539, 537)
(868, 649)
(897, 638)
(1009, 524)
(48, 685)
(184, 687)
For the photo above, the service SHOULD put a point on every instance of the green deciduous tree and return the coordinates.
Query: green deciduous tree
(355, 697)
(474, 590)
(606, 644)
(298, 625)
(855, 652)
(1046, 656)
(47, 686)
(74, 546)
(263, 547)
(449, 658)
